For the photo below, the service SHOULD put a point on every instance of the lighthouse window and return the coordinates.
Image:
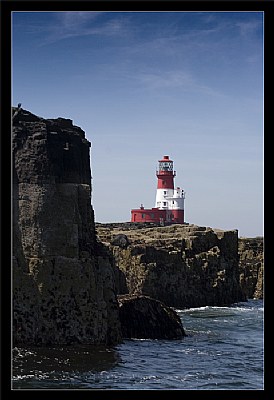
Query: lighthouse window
(166, 166)
(143, 216)
(164, 203)
(164, 191)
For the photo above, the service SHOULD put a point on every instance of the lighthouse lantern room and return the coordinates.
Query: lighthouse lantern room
(169, 205)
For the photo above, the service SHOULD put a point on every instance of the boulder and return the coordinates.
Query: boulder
(120, 241)
(145, 318)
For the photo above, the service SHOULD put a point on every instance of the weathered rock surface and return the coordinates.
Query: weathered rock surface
(145, 318)
(181, 265)
(251, 265)
(64, 291)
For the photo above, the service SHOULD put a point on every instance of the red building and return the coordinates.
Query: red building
(169, 205)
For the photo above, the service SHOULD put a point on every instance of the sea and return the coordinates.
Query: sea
(223, 350)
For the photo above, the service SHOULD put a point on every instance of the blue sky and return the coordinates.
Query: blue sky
(147, 84)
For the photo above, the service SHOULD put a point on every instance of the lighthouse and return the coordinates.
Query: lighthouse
(169, 204)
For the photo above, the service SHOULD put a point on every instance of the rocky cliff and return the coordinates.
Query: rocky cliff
(251, 266)
(64, 289)
(181, 265)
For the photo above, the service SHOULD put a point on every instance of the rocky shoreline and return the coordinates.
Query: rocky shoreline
(183, 265)
(69, 273)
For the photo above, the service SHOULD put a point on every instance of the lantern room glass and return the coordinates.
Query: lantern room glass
(165, 166)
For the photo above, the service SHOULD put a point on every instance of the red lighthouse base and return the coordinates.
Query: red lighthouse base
(157, 216)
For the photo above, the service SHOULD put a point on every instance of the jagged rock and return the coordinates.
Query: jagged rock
(181, 265)
(145, 318)
(63, 291)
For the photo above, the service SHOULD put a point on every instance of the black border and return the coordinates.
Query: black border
(6, 9)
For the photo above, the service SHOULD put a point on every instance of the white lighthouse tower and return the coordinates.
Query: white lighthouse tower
(168, 198)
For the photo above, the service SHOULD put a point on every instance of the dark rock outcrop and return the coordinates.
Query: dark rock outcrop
(251, 266)
(120, 241)
(181, 265)
(145, 318)
(63, 290)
